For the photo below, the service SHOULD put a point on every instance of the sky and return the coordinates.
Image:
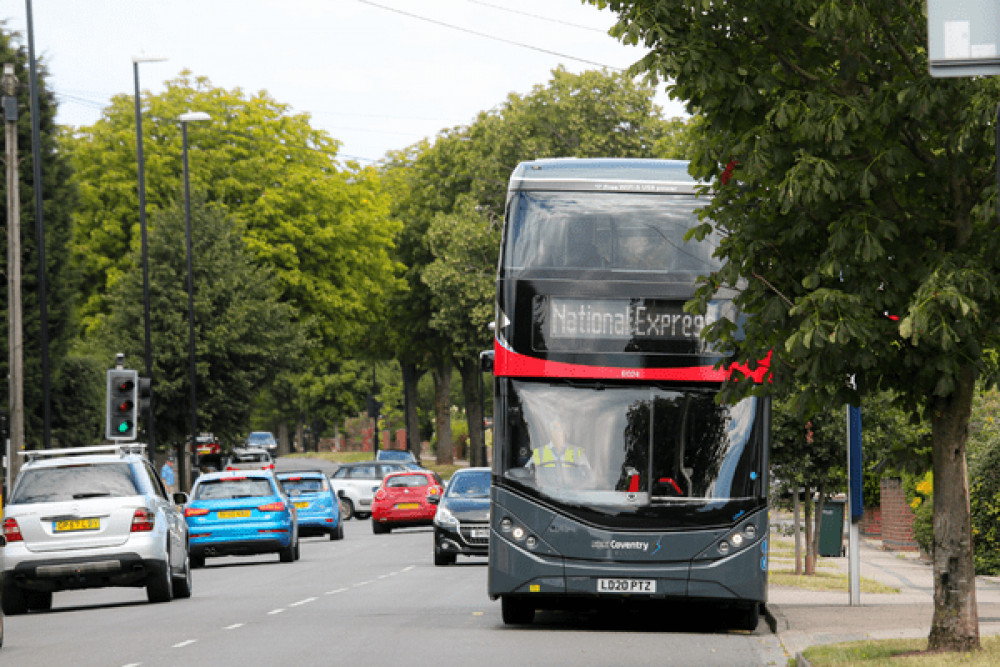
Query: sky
(377, 75)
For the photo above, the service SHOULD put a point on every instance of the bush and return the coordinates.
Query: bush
(984, 497)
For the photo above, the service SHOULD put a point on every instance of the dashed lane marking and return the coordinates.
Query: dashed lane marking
(302, 602)
(233, 626)
(186, 642)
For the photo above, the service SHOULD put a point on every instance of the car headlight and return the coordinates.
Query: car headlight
(445, 519)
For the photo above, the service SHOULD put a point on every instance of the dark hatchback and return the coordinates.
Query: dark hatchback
(462, 522)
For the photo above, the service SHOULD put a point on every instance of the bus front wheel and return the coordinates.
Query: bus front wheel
(516, 611)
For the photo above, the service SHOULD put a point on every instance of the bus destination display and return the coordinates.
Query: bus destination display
(562, 320)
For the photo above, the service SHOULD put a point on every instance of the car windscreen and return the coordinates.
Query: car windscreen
(250, 457)
(406, 481)
(265, 438)
(239, 487)
(470, 485)
(394, 455)
(297, 485)
(75, 482)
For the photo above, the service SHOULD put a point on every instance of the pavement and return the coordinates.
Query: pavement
(801, 618)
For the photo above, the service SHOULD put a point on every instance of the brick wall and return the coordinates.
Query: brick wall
(897, 519)
(871, 522)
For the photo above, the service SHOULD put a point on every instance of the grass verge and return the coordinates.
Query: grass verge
(824, 581)
(899, 652)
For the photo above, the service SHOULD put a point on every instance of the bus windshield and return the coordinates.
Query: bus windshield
(629, 447)
(606, 230)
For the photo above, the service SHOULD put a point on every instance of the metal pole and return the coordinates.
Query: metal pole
(854, 512)
(39, 233)
(192, 375)
(150, 429)
(15, 335)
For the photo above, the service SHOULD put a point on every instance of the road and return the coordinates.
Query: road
(366, 600)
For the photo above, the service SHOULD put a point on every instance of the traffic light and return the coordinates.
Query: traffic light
(123, 405)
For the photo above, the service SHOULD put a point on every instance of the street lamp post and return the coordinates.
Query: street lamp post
(150, 431)
(190, 117)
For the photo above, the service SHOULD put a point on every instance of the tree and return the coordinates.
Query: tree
(452, 198)
(244, 333)
(861, 215)
(322, 228)
(59, 199)
(808, 454)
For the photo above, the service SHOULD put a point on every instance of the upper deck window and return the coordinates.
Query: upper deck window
(614, 231)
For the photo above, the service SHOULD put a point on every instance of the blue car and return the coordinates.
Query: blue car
(315, 502)
(240, 513)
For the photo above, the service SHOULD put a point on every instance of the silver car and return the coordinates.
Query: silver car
(91, 517)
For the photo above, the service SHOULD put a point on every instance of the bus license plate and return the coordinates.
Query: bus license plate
(626, 585)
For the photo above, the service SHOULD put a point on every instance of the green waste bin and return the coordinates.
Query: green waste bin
(831, 528)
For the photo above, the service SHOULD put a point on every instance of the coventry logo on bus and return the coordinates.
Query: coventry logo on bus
(616, 545)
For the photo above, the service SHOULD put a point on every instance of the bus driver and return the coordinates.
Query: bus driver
(557, 456)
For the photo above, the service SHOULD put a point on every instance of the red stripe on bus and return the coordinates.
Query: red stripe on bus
(507, 363)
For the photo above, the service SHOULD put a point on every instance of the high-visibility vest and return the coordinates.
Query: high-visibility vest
(546, 457)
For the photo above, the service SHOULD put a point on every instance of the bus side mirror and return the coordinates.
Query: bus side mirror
(486, 361)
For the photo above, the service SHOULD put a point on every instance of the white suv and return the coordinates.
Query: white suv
(356, 484)
(91, 517)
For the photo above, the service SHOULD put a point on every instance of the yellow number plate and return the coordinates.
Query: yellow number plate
(301, 506)
(73, 525)
(408, 506)
(234, 514)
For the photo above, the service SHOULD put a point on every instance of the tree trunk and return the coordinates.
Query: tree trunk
(472, 391)
(284, 446)
(810, 560)
(813, 546)
(441, 372)
(955, 625)
(411, 420)
(796, 528)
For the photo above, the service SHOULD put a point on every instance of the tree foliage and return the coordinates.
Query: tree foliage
(244, 334)
(68, 425)
(861, 215)
(322, 227)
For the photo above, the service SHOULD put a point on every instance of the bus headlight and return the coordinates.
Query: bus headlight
(518, 533)
(506, 524)
(737, 540)
(724, 547)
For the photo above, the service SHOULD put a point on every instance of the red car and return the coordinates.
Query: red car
(401, 500)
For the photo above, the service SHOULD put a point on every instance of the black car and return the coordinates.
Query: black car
(462, 522)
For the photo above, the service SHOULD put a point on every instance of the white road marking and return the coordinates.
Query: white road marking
(186, 642)
(334, 592)
(275, 611)
(364, 583)
(302, 602)
(233, 626)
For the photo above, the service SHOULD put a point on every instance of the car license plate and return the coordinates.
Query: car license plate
(234, 514)
(301, 506)
(479, 533)
(407, 506)
(73, 525)
(626, 585)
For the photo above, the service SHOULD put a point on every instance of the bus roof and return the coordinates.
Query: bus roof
(604, 174)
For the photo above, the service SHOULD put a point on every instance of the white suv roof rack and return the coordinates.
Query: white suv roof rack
(120, 449)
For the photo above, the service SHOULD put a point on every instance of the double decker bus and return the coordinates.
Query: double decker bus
(617, 476)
